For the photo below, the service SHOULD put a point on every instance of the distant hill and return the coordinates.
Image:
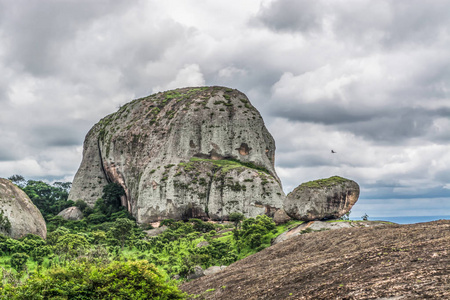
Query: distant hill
(382, 262)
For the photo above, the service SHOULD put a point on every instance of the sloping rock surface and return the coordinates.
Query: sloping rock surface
(22, 215)
(407, 261)
(329, 198)
(191, 152)
(322, 226)
(71, 213)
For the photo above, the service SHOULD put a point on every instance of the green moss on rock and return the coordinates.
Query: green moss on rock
(326, 182)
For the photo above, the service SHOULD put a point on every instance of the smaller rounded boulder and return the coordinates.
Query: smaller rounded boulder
(72, 213)
(329, 198)
(18, 215)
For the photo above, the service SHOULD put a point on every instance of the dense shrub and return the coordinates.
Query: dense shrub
(254, 233)
(72, 244)
(117, 280)
(18, 261)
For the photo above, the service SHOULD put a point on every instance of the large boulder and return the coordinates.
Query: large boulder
(72, 213)
(329, 198)
(18, 215)
(191, 152)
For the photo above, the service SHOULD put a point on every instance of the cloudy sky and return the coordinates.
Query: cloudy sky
(368, 79)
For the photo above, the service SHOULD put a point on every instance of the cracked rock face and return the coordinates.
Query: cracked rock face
(191, 152)
(329, 198)
(22, 215)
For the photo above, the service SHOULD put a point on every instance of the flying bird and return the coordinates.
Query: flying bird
(332, 151)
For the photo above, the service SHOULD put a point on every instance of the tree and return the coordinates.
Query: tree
(18, 180)
(236, 218)
(122, 230)
(63, 185)
(49, 199)
(112, 193)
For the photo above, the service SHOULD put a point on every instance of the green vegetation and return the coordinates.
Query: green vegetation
(107, 256)
(5, 225)
(236, 218)
(94, 280)
(224, 165)
(49, 199)
(327, 182)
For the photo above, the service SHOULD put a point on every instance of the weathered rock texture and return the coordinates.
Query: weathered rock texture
(313, 226)
(71, 213)
(329, 198)
(191, 152)
(382, 262)
(281, 217)
(18, 210)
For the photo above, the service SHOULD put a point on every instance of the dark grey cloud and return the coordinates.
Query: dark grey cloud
(371, 23)
(369, 79)
(35, 31)
(292, 15)
(55, 136)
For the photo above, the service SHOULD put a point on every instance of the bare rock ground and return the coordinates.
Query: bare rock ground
(380, 262)
(322, 226)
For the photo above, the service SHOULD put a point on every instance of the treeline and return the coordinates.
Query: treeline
(50, 199)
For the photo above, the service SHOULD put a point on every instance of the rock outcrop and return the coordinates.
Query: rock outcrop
(329, 198)
(281, 217)
(18, 215)
(72, 213)
(387, 262)
(191, 152)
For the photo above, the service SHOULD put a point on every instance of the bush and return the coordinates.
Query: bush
(201, 226)
(254, 233)
(117, 280)
(122, 230)
(81, 204)
(72, 244)
(18, 261)
(97, 218)
(167, 222)
(38, 253)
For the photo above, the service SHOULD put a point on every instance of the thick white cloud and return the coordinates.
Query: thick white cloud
(190, 75)
(368, 79)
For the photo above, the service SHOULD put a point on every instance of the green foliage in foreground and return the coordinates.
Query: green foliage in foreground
(79, 280)
(72, 263)
(107, 256)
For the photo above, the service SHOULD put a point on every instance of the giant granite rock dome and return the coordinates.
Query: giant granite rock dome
(191, 152)
(18, 215)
